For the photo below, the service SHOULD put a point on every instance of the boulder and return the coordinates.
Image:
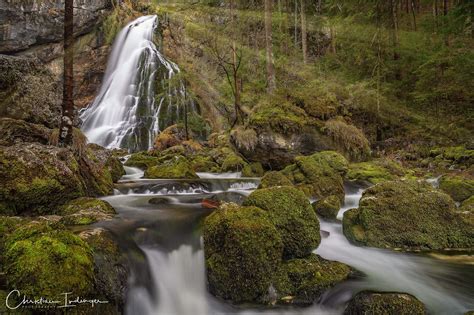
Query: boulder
(375, 171)
(171, 136)
(327, 207)
(177, 167)
(85, 210)
(142, 160)
(254, 169)
(409, 215)
(366, 302)
(274, 178)
(19, 131)
(291, 213)
(243, 251)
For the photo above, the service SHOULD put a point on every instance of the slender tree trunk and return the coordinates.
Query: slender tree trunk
(296, 23)
(304, 40)
(395, 39)
(66, 125)
(413, 11)
(271, 81)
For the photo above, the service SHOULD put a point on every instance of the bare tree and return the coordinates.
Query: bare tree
(67, 117)
(271, 80)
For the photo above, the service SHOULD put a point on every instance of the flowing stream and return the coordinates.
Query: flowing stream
(158, 221)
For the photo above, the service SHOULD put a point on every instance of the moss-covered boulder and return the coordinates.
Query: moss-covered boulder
(290, 211)
(459, 186)
(319, 175)
(108, 159)
(44, 259)
(233, 163)
(273, 178)
(142, 160)
(37, 179)
(458, 157)
(366, 302)
(254, 169)
(243, 251)
(85, 210)
(375, 171)
(327, 207)
(409, 215)
(202, 163)
(177, 167)
(111, 269)
(301, 281)
(467, 205)
(14, 131)
(171, 136)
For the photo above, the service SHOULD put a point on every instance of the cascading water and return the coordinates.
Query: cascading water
(139, 95)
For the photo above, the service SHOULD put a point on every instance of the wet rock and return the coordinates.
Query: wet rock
(44, 259)
(171, 136)
(109, 160)
(111, 267)
(375, 171)
(366, 302)
(159, 201)
(408, 215)
(327, 207)
(458, 186)
(84, 211)
(29, 91)
(254, 169)
(243, 251)
(291, 213)
(302, 281)
(142, 160)
(17, 131)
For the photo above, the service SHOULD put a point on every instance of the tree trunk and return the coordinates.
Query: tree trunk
(271, 81)
(413, 11)
(66, 125)
(395, 39)
(304, 35)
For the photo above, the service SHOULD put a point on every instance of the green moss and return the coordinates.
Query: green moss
(408, 215)
(254, 169)
(306, 279)
(179, 167)
(295, 220)
(459, 156)
(327, 207)
(233, 163)
(375, 171)
(467, 205)
(367, 302)
(273, 178)
(84, 211)
(201, 163)
(243, 250)
(142, 160)
(459, 187)
(45, 260)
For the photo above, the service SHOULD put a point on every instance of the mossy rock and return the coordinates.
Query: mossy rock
(201, 163)
(7, 226)
(366, 302)
(108, 158)
(83, 211)
(290, 211)
(319, 174)
(44, 259)
(142, 160)
(467, 205)
(459, 156)
(301, 281)
(233, 163)
(327, 207)
(273, 178)
(243, 251)
(112, 267)
(171, 136)
(459, 187)
(176, 168)
(375, 171)
(408, 215)
(254, 169)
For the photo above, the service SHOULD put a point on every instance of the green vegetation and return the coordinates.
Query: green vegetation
(459, 187)
(84, 211)
(367, 302)
(178, 167)
(375, 171)
(408, 215)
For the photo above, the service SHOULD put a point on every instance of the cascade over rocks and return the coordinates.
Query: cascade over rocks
(409, 215)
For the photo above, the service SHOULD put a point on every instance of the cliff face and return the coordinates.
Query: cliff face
(25, 24)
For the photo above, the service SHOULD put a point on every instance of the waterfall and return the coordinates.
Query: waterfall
(138, 97)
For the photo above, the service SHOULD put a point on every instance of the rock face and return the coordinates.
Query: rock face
(26, 24)
(36, 179)
(409, 215)
(365, 303)
(29, 91)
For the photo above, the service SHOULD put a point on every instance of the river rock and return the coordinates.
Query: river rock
(291, 213)
(327, 207)
(459, 186)
(375, 171)
(177, 168)
(274, 178)
(366, 302)
(37, 179)
(409, 215)
(85, 210)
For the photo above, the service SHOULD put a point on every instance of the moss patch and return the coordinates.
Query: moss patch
(327, 207)
(367, 302)
(178, 167)
(459, 187)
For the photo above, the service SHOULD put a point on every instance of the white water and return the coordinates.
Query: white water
(218, 175)
(132, 173)
(126, 112)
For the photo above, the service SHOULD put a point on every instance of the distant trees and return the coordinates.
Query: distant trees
(67, 116)
(271, 80)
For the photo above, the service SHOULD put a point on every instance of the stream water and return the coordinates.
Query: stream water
(159, 226)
